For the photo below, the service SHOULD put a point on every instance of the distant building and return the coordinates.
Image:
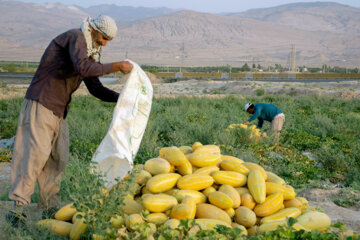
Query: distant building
(304, 69)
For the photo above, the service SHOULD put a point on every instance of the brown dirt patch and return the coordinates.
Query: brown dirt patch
(215, 89)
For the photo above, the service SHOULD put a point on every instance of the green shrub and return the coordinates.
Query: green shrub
(331, 158)
(300, 139)
(322, 126)
(259, 92)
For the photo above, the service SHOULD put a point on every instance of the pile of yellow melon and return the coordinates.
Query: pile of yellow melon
(200, 183)
(255, 132)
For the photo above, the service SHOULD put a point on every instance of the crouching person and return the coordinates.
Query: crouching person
(268, 112)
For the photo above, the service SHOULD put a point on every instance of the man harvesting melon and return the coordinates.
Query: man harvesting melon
(41, 147)
(268, 112)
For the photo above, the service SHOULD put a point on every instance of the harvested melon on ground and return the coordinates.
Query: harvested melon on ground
(200, 183)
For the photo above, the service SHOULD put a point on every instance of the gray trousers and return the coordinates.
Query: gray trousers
(41, 151)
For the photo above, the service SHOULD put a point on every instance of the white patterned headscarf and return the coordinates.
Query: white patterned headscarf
(103, 24)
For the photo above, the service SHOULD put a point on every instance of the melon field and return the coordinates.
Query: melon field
(319, 148)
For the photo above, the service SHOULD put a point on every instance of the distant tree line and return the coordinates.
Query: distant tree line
(224, 69)
(30, 67)
(20, 67)
(247, 68)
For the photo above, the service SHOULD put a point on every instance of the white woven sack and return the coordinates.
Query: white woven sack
(115, 155)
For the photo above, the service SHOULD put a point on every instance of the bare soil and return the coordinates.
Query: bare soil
(348, 89)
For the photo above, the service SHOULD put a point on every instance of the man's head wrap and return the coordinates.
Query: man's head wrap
(105, 25)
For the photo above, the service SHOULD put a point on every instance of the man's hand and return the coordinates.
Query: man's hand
(125, 67)
(246, 123)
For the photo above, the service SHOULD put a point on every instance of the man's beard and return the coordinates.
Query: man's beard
(96, 44)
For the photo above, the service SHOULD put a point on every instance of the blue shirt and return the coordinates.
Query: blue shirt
(264, 111)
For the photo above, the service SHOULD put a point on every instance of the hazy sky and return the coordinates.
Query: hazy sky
(212, 6)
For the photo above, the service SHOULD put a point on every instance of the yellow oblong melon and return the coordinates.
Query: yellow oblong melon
(282, 215)
(172, 192)
(132, 220)
(252, 166)
(172, 223)
(207, 170)
(210, 224)
(208, 190)
(220, 200)
(56, 226)
(304, 201)
(204, 159)
(158, 203)
(162, 182)
(66, 212)
(131, 206)
(142, 177)
(252, 231)
(248, 201)
(185, 168)
(75, 217)
(195, 146)
(234, 165)
(173, 155)
(191, 203)
(272, 177)
(117, 221)
(272, 204)
(297, 202)
(62, 228)
(244, 230)
(314, 220)
(204, 210)
(242, 190)
(78, 229)
(232, 193)
(208, 148)
(228, 157)
(157, 166)
(156, 218)
(270, 226)
(195, 182)
(198, 196)
(231, 178)
(230, 212)
(185, 210)
(185, 149)
(288, 192)
(245, 216)
(256, 185)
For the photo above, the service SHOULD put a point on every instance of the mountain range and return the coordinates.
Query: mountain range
(320, 33)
